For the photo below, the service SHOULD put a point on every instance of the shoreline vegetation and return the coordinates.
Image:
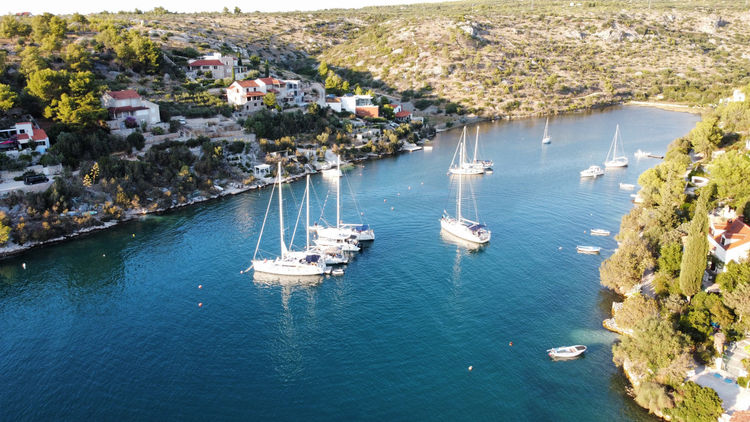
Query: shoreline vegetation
(682, 304)
(13, 249)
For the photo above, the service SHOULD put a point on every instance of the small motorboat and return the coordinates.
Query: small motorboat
(566, 352)
(592, 250)
(641, 154)
(592, 171)
(627, 186)
(337, 272)
(599, 232)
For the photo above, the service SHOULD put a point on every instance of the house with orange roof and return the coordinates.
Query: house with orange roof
(128, 103)
(729, 239)
(220, 66)
(246, 96)
(24, 135)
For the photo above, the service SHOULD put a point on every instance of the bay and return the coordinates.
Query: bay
(107, 327)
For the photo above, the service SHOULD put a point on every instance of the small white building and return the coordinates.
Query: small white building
(737, 97)
(729, 239)
(24, 135)
(360, 105)
(261, 170)
(127, 103)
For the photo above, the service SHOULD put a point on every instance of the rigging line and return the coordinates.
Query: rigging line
(317, 200)
(474, 199)
(354, 199)
(296, 223)
(270, 199)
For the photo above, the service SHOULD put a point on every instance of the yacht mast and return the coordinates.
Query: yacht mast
(476, 145)
(307, 212)
(338, 191)
(281, 212)
(458, 204)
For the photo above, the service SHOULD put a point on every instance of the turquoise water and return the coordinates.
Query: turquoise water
(107, 327)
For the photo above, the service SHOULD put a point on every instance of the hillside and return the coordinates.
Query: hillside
(496, 58)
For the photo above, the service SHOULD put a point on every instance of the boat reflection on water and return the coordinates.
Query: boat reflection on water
(265, 279)
(452, 239)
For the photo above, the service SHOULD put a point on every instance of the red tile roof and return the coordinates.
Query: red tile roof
(401, 114)
(737, 232)
(39, 135)
(333, 100)
(256, 94)
(740, 416)
(207, 63)
(127, 94)
(270, 81)
(23, 136)
(247, 84)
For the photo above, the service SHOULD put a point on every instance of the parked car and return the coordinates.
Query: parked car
(33, 180)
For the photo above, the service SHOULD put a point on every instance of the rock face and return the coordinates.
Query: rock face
(617, 34)
(576, 35)
(711, 24)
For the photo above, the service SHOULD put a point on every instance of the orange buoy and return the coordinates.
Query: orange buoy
(511, 344)
(200, 304)
(200, 286)
(470, 368)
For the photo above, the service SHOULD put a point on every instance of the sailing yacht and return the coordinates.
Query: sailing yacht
(546, 138)
(360, 232)
(463, 166)
(483, 164)
(461, 227)
(614, 160)
(329, 255)
(287, 263)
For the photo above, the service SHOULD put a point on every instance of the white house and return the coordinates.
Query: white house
(127, 103)
(246, 96)
(360, 105)
(24, 135)
(220, 66)
(737, 97)
(729, 240)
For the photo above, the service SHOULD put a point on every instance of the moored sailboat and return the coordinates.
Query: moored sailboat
(613, 159)
(290, 264)
(461, 227)
(546, 138)
(463, 166)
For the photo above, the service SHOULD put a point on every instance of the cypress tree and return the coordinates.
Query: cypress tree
(696, 248)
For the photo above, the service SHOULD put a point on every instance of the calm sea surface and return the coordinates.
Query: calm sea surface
(108, 327)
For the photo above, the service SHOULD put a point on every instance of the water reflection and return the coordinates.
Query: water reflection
(289, 345)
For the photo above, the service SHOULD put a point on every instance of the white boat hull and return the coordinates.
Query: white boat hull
(567, 352)
(590, 250)
(344, 231)
(280, 266)
(467, 169)
(592, 171)
(337, 243)
(617, 162)
(462, 231)
(546, 140)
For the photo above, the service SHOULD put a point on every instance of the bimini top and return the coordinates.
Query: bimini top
(312, 258)
(476, 227)
(362, 228)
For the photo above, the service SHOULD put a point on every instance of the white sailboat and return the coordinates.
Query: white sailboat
(329, 255)
(290, 264)
(461, 227)
(361, 232)
(613, 159)
(546, 138)
(463, 166)
(483, 164)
